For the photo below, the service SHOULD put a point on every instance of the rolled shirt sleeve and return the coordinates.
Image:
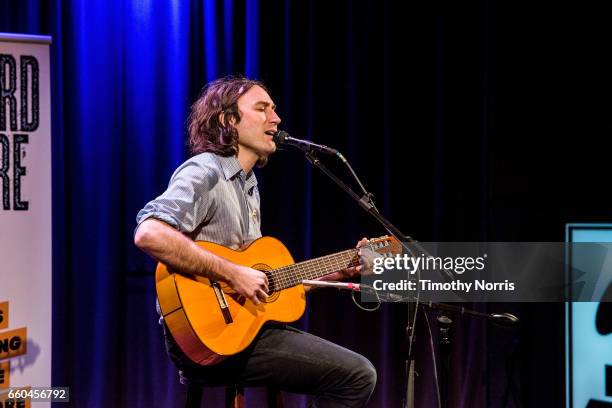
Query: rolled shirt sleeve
(187, 202)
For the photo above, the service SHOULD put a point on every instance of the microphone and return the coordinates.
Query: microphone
(329, 284)
(504, 319)
(282, 138)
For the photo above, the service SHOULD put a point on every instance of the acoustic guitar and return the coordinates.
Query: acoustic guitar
(210, 321)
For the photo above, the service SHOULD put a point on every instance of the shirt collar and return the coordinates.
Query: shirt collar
(231, 168)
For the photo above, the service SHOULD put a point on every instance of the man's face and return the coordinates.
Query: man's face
(258, 122)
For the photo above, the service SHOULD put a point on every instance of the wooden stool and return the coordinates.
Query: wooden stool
(234, 397)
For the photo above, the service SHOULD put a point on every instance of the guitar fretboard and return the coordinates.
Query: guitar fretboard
(292, 275)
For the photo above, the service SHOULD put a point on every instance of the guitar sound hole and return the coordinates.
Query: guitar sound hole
(273, 293)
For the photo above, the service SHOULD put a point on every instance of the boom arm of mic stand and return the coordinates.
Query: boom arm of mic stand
(367, 204)
(364, 202)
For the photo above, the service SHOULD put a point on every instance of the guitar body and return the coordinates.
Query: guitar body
(194, 316)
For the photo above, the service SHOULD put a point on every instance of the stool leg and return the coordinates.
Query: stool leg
(234, 397)
(194, 397)
(275, 398)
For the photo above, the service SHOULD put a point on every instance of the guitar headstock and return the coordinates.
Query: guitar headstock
(386, 246)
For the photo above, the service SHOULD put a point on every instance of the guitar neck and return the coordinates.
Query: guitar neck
(292, 275)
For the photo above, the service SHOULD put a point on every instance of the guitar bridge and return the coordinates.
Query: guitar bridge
(225, 311)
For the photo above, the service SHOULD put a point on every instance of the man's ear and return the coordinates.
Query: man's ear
(222, 117)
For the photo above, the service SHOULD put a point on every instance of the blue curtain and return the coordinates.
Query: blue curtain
(422, 98)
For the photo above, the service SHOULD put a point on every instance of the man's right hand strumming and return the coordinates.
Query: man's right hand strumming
(167, 245)
(249, 282)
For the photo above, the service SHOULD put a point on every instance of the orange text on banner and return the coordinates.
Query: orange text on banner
(5, 374)
(4, 315)
(6, 402)
(13, 343)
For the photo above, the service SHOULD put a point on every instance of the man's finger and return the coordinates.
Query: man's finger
(262, 295)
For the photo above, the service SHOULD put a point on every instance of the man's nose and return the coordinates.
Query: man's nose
(274, 118)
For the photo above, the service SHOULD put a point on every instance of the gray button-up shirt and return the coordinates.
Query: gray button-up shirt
(210, 198)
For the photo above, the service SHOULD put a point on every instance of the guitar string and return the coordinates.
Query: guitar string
(335, 261)
(291, 275)
(287, 276)
(314, 268)
(311, 268)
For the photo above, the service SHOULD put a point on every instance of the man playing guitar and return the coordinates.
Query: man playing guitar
(213, 197)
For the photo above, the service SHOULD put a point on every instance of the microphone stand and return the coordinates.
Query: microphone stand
(367, 203)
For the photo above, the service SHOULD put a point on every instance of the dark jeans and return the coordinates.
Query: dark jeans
(290, 360)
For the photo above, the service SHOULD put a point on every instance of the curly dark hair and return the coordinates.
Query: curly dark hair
(207, 132)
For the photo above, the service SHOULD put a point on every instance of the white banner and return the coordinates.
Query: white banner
(25, 213)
